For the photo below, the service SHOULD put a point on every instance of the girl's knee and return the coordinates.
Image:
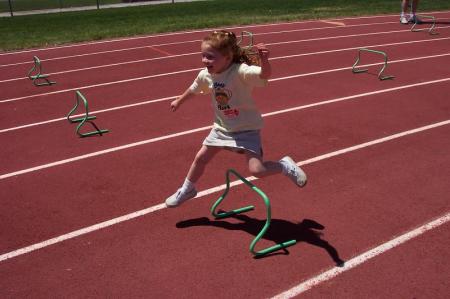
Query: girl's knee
(201, 159)
(257, 170)
(204, 156)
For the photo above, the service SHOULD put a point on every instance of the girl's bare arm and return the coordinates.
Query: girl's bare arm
(266, 68)
(175, 104)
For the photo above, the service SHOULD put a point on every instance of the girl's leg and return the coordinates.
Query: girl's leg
(287, 166)
(187, 190)
(259, 168)
(204, 155)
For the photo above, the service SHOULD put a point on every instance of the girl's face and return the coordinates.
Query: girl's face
(214, 61)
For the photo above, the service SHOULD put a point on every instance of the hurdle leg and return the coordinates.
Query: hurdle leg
(380, 73)
(430, 30)
(38, 76)
(86, 118)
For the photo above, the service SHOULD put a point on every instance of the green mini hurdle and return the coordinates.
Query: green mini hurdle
(245, 35)
(37, 68)
(356, 70)
(85, 118)
(246, 209)
(248, 47)
(430, 30)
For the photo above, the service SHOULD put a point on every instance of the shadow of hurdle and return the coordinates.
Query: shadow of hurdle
(308, 231)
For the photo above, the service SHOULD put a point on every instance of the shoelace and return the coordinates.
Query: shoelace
(186, 193)
(292, 172)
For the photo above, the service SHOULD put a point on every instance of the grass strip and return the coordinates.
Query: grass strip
(25, 5)
(22, 32)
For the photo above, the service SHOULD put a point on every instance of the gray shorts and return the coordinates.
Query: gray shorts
(236, 141)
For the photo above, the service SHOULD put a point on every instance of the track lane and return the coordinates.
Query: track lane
(155, 51)
(157, 86)
(71, 190)
(118, 259)
(285, 46)
(153, 120)
(422, 274)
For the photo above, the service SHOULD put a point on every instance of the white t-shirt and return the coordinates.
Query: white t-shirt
(231, 91)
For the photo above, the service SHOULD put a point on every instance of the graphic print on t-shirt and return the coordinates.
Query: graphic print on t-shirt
(223, 97)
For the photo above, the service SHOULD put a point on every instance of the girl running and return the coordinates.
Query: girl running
(229, 77)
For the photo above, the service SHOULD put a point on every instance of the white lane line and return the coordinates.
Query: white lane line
(174, 135)
(358, 47)
(343, 36)
(366, 65)
(179, 72)
(362, 258)
(192, 41)
(101, 84)
(105, 66)
(203, 30)
(30, 62)
(91, 112)
(206, 192)
(103, 152)
(269, 44)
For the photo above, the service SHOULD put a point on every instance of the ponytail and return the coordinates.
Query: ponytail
(227, 44)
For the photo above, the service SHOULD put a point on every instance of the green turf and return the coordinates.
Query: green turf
(50, 29)
(25, 5)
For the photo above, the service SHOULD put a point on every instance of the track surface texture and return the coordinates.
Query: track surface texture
(84, 217)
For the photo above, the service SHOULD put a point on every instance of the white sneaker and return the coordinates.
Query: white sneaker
(403, 20)
(178, 198)
(295, 173)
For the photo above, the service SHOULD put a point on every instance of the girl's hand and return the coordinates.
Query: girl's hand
(263, 52)
(175, 104)
(266, 69)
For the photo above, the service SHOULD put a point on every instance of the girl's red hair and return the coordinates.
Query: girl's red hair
(226, 43)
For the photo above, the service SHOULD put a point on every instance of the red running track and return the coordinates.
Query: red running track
(356, 200)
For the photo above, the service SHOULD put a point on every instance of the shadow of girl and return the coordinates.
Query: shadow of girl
(278, 232)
